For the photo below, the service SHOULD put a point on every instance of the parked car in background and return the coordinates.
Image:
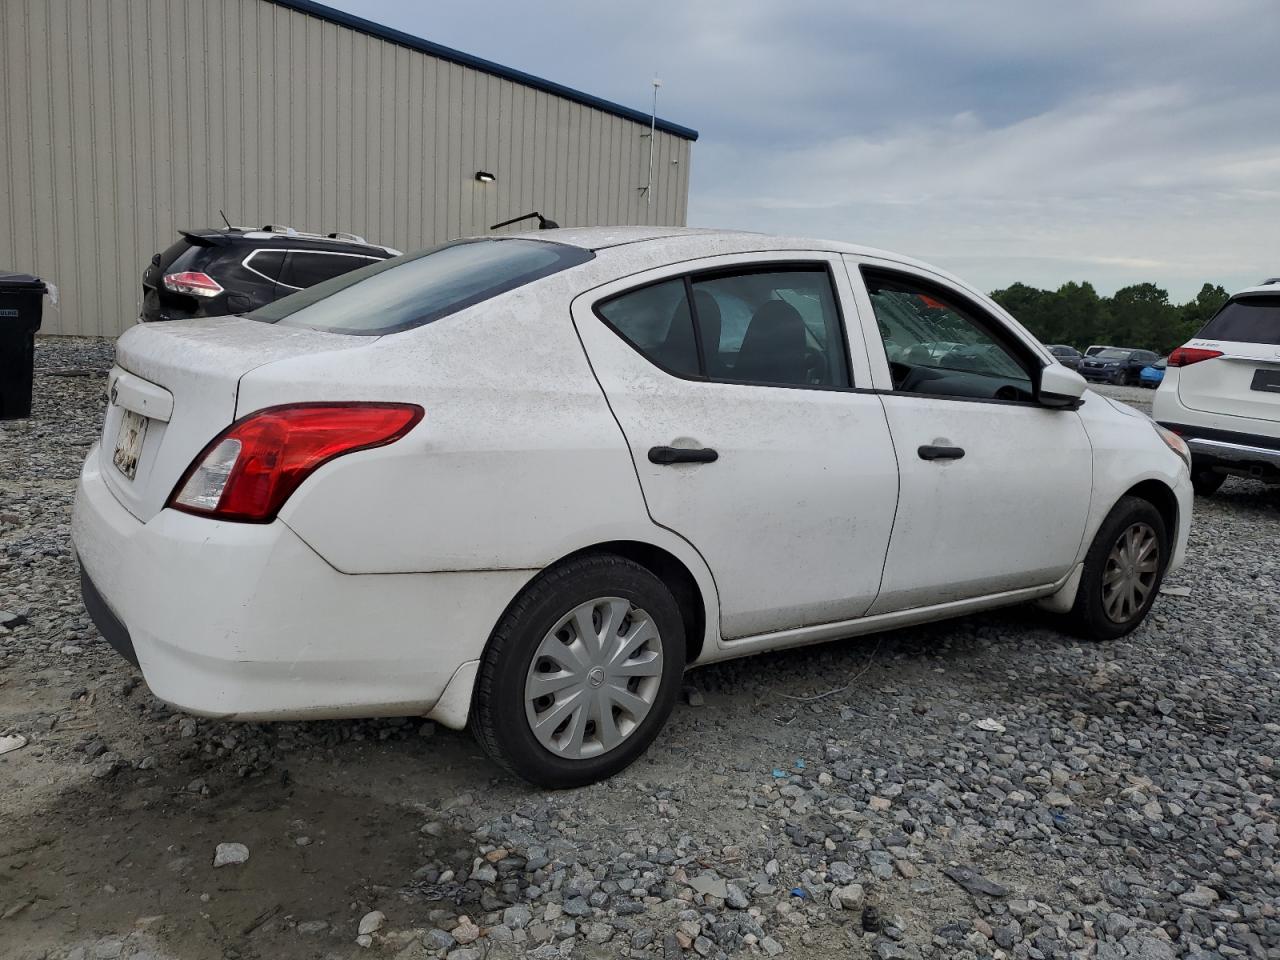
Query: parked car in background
(1096, 348)
(1221, 392)
(217, 271)
(313, 510)
(1120, 365)
(1153, 373)
(1066, 355)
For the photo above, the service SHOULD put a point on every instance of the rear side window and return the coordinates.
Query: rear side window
(657, 322)
(266, 263)
(764, 326)
(306, 268)
(776, 327)
(1247, 320)
(417, 288)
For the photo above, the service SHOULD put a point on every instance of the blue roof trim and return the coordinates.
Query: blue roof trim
(488, 66)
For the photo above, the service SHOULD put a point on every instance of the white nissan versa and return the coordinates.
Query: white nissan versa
(524, 482)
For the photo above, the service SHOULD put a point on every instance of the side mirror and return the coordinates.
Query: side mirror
(1061, 387)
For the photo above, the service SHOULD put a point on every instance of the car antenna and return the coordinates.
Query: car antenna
(543, 222)
(225, 220)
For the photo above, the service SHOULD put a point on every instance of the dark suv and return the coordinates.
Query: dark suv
(1066, 355)
(1117, 365)
(216, 271)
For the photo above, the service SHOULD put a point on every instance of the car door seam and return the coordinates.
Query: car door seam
(635, 469)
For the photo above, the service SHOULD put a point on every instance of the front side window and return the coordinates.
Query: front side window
(940, 345)
(772, 326)
(417, 288)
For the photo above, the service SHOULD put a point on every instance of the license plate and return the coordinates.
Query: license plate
(133, 431)
(1268, 381)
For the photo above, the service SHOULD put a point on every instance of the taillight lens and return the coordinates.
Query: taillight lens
(1186, 356)
(250, 470)
(193, 284)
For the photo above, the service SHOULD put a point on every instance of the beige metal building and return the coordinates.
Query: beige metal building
(122, 121)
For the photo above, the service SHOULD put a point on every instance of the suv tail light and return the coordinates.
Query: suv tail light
(249, 470)
(193, 284)
(1186, 356)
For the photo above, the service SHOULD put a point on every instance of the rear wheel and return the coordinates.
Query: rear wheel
(1122, 571)
(1207, 482)
(581, 672)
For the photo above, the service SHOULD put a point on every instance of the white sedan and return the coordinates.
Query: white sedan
(523, 483)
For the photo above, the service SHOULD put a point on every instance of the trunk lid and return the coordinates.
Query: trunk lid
(1245, 380)
(174, 388)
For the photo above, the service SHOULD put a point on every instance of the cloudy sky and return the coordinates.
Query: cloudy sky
(1114, 141)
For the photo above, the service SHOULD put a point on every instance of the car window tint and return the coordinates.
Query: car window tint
(656, 321)
(938, 345)
(776, 327)
(418, 288)
(306, 268)
(266, 263)
(1247, 320)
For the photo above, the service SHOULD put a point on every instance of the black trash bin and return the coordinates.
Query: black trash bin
(21, 301)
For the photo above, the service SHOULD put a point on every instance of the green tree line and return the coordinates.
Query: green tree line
(1139, 316)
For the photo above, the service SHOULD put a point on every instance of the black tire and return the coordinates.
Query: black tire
(498, 716)
(1207, 482)
(1089, 615)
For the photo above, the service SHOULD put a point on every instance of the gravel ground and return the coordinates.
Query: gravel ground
(984, 788)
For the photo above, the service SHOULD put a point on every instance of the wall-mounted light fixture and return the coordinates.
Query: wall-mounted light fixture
(483, 176)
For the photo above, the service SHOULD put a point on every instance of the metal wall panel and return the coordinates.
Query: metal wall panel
(122, 121)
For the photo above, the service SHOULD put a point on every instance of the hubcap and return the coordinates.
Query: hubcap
(1130, 573)
(593, 678)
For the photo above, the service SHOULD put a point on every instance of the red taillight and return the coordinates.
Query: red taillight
(252, 468)
(1186, 356)
(193, 284)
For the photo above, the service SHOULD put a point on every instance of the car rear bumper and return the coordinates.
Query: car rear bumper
(1225, 447)
(246, 621)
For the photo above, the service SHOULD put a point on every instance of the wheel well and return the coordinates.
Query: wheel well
(671, 571)
(1162, 498)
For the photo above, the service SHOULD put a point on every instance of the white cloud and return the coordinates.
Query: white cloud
(1004, 139)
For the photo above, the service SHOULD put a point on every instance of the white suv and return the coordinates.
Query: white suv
(1221, 392)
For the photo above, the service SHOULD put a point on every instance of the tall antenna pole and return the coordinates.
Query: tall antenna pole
(653, 126)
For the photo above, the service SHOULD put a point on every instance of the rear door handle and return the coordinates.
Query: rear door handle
(930, 452)
(668, 455)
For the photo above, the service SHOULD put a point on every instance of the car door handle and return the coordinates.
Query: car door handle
(668, 455)
(929, 452)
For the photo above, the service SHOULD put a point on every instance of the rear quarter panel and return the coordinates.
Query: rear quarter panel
(517, 462)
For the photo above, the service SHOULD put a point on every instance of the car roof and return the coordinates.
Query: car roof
(1270, 287)
(283, 234)
(693, 242)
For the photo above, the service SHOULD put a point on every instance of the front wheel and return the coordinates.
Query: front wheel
(581, 672)
(1122, 571)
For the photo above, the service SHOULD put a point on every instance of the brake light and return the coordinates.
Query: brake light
(249, 470)
(193, 284)
(1186, 356)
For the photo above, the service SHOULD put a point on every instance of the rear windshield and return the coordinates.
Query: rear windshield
(414, 289)
(1247, 320)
